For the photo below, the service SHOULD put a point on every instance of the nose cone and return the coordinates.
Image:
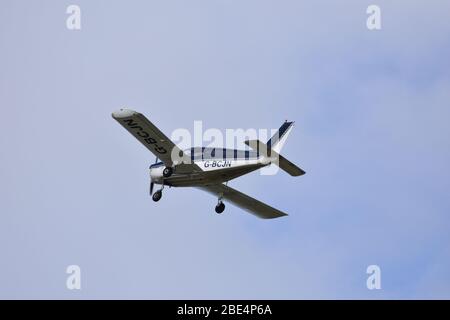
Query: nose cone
(156, 174)
(123, 113)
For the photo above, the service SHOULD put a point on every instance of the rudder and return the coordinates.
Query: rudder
(278, 140)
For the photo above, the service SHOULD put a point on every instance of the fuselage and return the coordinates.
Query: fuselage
(217, 165)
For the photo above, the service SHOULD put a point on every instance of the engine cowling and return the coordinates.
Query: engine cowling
(156, 174)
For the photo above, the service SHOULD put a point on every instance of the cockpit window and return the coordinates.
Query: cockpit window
(196, 154)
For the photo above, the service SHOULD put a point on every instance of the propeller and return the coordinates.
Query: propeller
(151, 182)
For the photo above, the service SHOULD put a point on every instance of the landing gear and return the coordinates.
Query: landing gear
(167, 172)
(220, 207)
(157, 195)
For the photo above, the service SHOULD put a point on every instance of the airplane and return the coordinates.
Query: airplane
(209, 169)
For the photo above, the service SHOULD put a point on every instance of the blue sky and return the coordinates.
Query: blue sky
(371, 111)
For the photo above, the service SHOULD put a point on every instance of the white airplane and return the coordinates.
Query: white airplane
(208, 169)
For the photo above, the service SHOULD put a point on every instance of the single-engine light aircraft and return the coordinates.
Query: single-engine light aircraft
(209, 169)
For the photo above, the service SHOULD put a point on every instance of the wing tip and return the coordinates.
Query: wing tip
(278, 214)
(272, 218)
(123, 113)
(300, 172)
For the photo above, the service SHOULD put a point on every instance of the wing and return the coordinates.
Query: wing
(154, 140)
(243, 201)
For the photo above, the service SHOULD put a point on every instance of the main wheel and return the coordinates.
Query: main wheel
(220, 207)
(157, 196)
(167, 172)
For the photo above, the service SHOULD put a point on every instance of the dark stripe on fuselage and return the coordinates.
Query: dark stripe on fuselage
(198, 154)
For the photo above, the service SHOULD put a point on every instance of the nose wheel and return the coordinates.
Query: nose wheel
(220, 207)
(157, 196)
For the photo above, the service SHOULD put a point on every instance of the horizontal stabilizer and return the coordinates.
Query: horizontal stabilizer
(275, 157)
(289, 167)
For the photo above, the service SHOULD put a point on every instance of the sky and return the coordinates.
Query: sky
(371, 111)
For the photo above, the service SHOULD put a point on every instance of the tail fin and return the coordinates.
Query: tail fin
(278, 140)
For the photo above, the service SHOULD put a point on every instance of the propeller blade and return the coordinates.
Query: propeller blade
(151, 183)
